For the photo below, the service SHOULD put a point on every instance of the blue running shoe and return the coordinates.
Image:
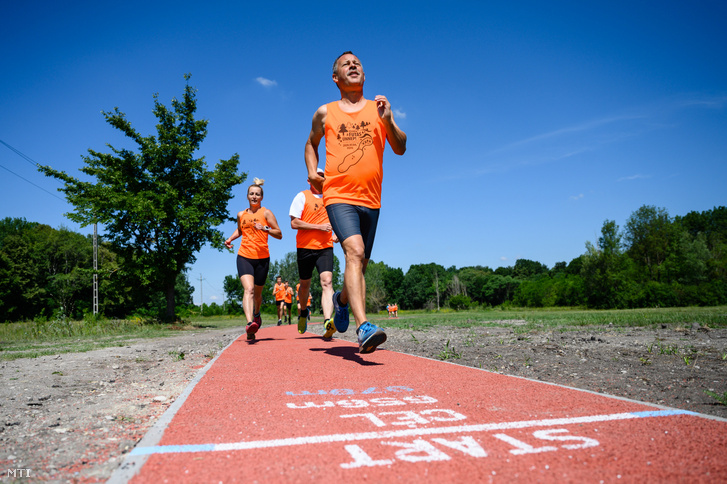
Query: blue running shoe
(369, 337)
(340, 317)
(303, 321)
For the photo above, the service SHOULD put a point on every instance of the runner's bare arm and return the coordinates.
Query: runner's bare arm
(273, 230)
(311, 147)
(298, 224)
(396, 137)
(235, 234)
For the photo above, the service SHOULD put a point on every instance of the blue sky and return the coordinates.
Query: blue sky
(529, 123)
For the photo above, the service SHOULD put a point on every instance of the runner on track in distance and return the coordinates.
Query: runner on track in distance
(254, 224)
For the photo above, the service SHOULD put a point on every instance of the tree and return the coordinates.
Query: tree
(393, 278)
(159, 205)
(605, 271)
(376, 297)
(525, 268)
(423, 285)
(648, 235)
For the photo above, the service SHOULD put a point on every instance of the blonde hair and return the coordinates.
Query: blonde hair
(257, 182)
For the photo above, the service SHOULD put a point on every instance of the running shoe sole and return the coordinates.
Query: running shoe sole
(330, 329)
(302, 323)
(369, 346)
(252, 328)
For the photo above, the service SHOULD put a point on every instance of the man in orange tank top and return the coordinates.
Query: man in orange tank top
(289, 300)
(356, 131)
(279, 293)
(314, 243)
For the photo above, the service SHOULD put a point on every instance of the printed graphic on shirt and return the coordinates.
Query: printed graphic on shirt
(356, 137)
(248, 222)
(317, 205)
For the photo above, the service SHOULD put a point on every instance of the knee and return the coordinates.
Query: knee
(355, 255)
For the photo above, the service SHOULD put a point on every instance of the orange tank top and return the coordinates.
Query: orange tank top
(254, 242)
(289, 295)
(279, 291)
(314, 213)
(354, 156)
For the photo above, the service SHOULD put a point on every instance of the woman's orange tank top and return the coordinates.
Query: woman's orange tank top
(254, 242)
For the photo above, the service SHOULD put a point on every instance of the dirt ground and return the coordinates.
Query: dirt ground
(72, 417)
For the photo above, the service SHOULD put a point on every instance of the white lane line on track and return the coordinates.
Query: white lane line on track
(324, 439)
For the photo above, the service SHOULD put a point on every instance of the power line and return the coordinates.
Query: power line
(25, 179)
(21, 154)
(32, 162)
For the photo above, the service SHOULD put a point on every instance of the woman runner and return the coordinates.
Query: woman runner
(254, 224)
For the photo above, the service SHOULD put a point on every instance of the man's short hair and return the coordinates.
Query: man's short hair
(335, 62)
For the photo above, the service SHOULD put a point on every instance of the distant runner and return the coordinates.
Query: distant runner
(279, 293)
(289, 300)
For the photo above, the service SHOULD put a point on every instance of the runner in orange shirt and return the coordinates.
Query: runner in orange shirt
(254, 224)
(314, 243)
(289, 301)
(356, 131)
(279, 293)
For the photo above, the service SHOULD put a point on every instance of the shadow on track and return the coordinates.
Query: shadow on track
(349, 353)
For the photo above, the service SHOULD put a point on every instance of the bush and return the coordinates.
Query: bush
(459, 302)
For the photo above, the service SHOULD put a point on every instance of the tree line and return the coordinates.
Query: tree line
(48, 273)
(653, 261)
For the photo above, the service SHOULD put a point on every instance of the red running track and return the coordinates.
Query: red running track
(296, 408)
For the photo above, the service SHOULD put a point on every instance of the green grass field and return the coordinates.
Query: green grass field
(561, 318)
(39, 338)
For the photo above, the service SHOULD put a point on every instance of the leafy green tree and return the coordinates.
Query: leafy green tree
(159, 205)
(460, 301)
(23, 279)
(474, 279)
(376, 297)
(606, 271)
(233, 294)
(712, 225)
(424, 285)
(647, 236)
(525, 268)
(499, 289)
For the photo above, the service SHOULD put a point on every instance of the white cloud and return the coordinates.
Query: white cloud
(586, 126)
(214, 298)
(633, 177)
(398, 113)
(577, 197)
(503, 258)
(266, 82)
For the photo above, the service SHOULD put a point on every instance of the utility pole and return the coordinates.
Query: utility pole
(95, 269)
(201, 298)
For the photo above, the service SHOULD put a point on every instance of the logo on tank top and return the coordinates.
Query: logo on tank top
(248, 222)
(355, 137)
